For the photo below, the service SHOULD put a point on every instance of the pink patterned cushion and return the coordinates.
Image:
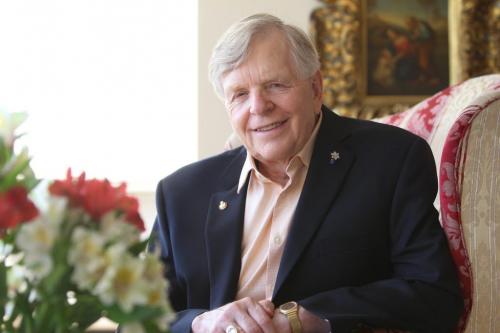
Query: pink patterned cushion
(421, 118)
(443, 120)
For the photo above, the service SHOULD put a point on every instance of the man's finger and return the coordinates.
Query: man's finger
(268, 306)
(262, 317)
(247, 322)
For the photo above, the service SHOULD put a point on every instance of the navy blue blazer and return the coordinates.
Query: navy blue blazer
(364, 248)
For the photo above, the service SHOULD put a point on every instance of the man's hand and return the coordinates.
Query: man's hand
(246, 314)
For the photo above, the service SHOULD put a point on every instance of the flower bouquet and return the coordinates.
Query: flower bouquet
(76, 257)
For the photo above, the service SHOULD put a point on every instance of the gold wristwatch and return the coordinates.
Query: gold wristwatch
(291, 311)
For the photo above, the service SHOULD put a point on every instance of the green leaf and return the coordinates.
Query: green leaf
(27, 325)
(19, 165)
(4, 152)
(85, 311)
(3, 288)
(43, 318)
(22, 307)
(139, 313)
(29, 181)
(151, 327)
(10, 236)
(139, 247)
(55, 281)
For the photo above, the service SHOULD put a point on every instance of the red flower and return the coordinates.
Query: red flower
(98, 197)
(70, 188)
(15, 208)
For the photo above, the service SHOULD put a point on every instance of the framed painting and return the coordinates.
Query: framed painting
(404, 49)
(379, 57)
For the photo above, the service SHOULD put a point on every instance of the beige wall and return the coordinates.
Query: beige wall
(215, 16)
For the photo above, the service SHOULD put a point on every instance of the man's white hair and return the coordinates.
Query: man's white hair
(232, 48)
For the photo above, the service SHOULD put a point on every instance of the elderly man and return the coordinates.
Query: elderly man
(317, 224)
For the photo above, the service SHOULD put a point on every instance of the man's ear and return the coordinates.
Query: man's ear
(317, 86)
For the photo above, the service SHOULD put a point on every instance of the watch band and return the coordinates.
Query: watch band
(294, 321)
(291, 311)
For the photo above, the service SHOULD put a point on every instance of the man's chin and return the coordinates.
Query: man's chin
(272, 156)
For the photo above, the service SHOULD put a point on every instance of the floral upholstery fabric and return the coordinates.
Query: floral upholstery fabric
(462, 126)
(480, 214)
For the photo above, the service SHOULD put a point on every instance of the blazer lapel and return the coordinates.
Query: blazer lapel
(223, 235)
(323, 182)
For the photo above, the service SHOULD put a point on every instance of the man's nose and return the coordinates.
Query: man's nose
(260, 103)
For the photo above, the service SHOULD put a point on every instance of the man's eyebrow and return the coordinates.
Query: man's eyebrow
(235, 87)
(279, 80)
(232, 87)
(231, 91)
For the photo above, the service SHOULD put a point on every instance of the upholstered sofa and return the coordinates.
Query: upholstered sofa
(462, 126)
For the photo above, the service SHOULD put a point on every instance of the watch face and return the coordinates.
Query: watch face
(288, 306)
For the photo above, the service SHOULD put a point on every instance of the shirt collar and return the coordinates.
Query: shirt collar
(304, 155)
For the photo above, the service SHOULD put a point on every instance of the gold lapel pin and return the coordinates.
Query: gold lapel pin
(222, 205)
(334, 156)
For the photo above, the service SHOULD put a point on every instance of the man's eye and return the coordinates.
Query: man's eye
(276, 86)
(239, 94)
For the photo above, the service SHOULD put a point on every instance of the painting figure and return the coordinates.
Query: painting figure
(384, 71)
(422, 37)
(406, 68)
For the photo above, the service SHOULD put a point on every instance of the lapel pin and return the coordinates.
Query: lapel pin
(334, 156)
(222, 205)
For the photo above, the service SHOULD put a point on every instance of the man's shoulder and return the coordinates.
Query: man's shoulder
(372, 140)
(375, 132)
(371, 127)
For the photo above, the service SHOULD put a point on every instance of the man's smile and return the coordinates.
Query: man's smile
(271, 126)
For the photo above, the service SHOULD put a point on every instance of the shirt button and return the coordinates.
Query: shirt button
(277, 240)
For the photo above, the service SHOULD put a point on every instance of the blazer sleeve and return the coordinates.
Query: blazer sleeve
(176, 292)
(422, 295)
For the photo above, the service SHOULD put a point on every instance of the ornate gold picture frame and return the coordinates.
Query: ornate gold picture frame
(338, 31)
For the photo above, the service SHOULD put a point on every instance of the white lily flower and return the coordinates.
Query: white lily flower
(87, 245)
(132, 328)
(153, 268)
(116, 229)
(122, 282)
(168, 317)
(88, 257)
(36, 239)
(15, 161)
(56, 209)
(155, 281)
(15, 279)
(8, 124)
(39, 265)
(157, 293)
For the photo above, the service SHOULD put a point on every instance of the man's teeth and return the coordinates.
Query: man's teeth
(269, 127)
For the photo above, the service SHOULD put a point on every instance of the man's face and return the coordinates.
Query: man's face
(270, 108)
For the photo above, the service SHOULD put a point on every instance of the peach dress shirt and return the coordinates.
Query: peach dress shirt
(268, 212)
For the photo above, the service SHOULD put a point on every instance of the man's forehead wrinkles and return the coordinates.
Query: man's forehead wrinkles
(232, 80)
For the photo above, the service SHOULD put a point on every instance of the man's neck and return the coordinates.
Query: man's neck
(274, 171)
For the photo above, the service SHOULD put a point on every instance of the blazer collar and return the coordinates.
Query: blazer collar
(223, 234)
(323, 183)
